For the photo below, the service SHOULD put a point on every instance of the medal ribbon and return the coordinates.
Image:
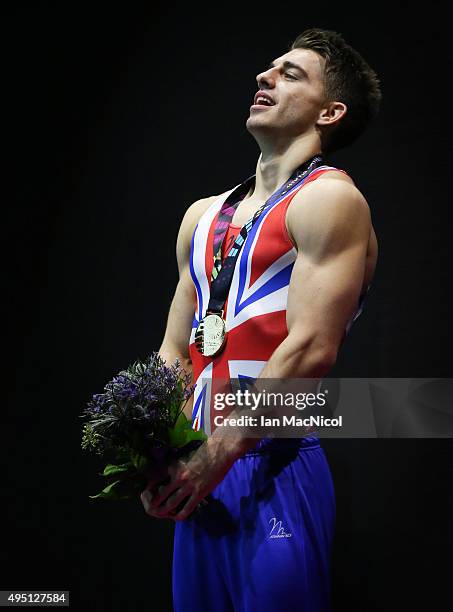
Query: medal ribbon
(222, 274)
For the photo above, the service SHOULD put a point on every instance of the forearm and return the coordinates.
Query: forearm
(289, 360)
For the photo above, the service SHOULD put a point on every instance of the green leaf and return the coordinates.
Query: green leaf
(127, 488)
(182, 432)
(110, 492)
(112, 469)
(139, 461)
(197, 435)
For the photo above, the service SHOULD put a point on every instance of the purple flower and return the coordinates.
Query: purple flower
(142, 401)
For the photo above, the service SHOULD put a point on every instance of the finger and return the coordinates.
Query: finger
(145, 497)
(173, 502)
(188, 508)
(163, 493)
(154, 514)
(149, 493)
(153, 493)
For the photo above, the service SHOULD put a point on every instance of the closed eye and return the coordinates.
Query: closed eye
(291, 76)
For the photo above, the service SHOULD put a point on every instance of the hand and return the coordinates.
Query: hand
(159, 475)
(191, 479)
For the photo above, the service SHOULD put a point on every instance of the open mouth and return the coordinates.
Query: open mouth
(262, 100)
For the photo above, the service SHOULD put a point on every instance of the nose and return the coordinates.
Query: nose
(265, 79)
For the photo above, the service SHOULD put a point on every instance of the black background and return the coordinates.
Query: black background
(117, 119)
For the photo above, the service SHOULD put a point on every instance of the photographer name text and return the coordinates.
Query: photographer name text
(283, 421)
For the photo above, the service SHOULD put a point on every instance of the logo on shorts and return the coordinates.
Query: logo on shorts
(277, 531)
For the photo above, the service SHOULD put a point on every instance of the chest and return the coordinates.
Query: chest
(267, 248)
(245, 211)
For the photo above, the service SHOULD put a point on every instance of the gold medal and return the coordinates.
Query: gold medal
(210, 335)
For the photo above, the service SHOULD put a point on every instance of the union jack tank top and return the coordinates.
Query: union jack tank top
(255, 309)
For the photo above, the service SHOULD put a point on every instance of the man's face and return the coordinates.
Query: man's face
(293, 85)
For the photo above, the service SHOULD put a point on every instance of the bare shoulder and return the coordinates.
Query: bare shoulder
(331, 208)
(336, 175)
(195, 211)
(197, 208)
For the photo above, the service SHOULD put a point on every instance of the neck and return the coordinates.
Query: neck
(275, 165)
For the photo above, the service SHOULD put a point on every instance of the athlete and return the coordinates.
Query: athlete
(281, 264)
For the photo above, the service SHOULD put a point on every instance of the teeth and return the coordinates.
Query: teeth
(261, 99)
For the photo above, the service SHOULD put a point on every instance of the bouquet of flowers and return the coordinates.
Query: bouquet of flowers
(138, 426)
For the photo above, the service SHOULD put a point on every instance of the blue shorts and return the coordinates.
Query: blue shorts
(263, 543)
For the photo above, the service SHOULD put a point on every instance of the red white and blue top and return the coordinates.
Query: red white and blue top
(255, 309)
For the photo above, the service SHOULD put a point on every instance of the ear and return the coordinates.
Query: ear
(332, 113)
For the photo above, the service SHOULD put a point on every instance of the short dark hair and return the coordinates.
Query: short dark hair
(348, 79)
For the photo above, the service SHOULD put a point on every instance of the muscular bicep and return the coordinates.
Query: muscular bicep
(328, 273)
(323, 296)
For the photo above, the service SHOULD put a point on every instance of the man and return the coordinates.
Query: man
(294, 287)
